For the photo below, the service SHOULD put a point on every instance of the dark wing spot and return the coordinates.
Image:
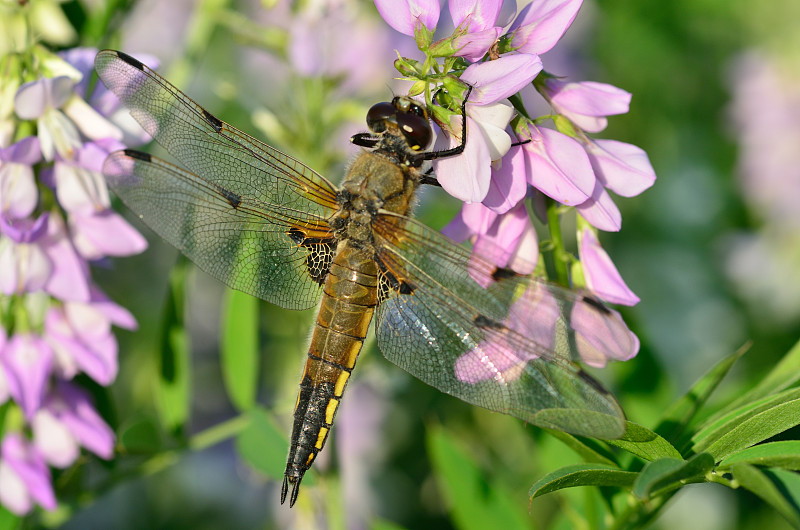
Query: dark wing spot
(503, 273)
(213, 120)
(593, 383)
(234, 199)
(487, 323)
(597, 304)
(320, 253)
(138, 155)
(406, 288)
(130, 60)
(394, 283)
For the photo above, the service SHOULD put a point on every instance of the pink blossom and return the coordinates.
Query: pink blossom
(404, 15)
(24, 264)
(18, 193)
(587, 103)
(66, 421)
(467, 176)
(541, 23)
(69, 276)
(508, 184)
(24, 477)
(507, 240)
(602, 335)
(558, 165)
(622, 168)
(600, 211)
(600, 273)
(478, 19)
(27, 361)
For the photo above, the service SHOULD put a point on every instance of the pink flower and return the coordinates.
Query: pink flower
(601, 335)
(467, 176)
(477, 18)
(558, 165)
(508, 184)
(66, 421)
(27, 361)
(600, 273)
(18, 193)
(587, 103)
(600, 211)
(59, 115)
(507, 240)
(405, 15)
(24, 265)
(80, 335)
(24, 477)
(541, 24)
(622, 168)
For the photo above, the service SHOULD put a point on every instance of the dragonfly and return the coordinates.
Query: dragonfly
(266, 224)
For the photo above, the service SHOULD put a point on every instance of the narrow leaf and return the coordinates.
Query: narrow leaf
(173, 378)
(673, 423)
(714, 428)
(761, 483)
(669, 473)
(644, 443)
(582, 475)
(752, 430)
(262, 444)
(783, 375)
(784, 455)
(240, 349)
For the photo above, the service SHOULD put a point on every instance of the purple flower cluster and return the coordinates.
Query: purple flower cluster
(510, 157)
(55, 218)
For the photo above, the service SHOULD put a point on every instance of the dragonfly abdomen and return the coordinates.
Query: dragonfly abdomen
(348, 302)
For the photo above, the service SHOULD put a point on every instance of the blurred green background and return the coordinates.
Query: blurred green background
(711, 249)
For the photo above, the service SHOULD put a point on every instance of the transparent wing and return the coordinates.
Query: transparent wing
(248, 245)
(493, 338)
(212, 149)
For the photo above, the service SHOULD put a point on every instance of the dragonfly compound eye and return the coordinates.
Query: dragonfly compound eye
(378, 114)
(416, 130)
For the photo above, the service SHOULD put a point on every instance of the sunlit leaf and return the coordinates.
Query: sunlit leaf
(784, 455)
(590, 451)
(240, 348)
(644, 443)
(582, 475)
(751, 427)
(781, 489)
(674, 421)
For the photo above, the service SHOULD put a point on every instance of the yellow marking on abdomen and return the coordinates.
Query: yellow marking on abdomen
(330, 410)
(323, 432)
(341, 381)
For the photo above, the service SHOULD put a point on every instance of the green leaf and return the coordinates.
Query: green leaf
(784, 455)
(472, 503)
(751, 427)
(262, 444)
(240, 349)
(783, 496)
(644, 443)
(783, 375)
(582, 475)
(140, 435)
(173, 378)
(673, 423)
(670, 473)
(8, 521)
(590, 451)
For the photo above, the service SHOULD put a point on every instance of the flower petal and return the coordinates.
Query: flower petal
(481, 14)
(622, 168)
(103, 234)
(466, 177)
(541, 24)
(403, 15)
(27, 360)
(602, 277)
(600, 336)
(508, 184)
(496, 80)
(558, 166)
(600, 210)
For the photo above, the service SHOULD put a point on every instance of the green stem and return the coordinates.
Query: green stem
(560, 256)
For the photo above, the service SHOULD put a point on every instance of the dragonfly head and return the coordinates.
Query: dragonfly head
(402, 116)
